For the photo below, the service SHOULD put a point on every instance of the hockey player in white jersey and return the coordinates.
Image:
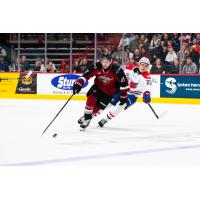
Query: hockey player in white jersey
(139, 80)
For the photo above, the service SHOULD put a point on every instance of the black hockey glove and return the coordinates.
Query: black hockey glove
(122, 100)
(77, 86)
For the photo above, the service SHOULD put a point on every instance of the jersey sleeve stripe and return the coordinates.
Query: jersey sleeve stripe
(124, 88)
(83, 78)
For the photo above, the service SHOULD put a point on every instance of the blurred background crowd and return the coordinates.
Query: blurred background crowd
(169, 53)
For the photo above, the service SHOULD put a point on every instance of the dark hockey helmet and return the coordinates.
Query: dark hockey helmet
(106, 56)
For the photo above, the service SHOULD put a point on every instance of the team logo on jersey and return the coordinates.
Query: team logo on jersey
(171, 84)
(105, 79)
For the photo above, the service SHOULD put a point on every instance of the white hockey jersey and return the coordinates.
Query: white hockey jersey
(138, 82)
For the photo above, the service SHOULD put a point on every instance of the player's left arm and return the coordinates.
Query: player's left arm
(123, 86)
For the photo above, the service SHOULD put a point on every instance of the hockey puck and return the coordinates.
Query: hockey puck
(54, 135)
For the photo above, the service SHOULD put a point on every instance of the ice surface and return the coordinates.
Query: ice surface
(135, 137)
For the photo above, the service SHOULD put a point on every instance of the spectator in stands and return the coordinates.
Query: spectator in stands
(109, 50)
(156, 52)
(25, 66)
(124, 41)
(43, 68)
(157, 68)
(38, 64)
(175, 41)
(169, 43)
(145, 53)
(155, 43)
(186, 38)
(174, 68)
(189, 67)
(140, 46)
(165, 38)
(4, 66)
(76, 64)
(105, 50)
(144, 41)
(194, 54)
(198, 38)
(51, 67)
(16, 66)
(182, 54)
(118, 54)
(99, 54)
(131, 54)
(162, 53)
(82, 67)
(134, 44)
(126, 53)
(171, 55)
(137, 55)
(2, 52)
(131, 37)
(66, 68)
(126, 62)
(194, 41)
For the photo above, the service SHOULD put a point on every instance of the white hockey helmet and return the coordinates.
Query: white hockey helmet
(144, 60)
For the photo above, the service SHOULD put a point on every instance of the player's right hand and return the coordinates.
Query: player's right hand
(122, 100)
(77, 86)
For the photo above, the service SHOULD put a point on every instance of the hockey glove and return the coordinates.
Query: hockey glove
(122, 100)
(77, 86)
(147, 97)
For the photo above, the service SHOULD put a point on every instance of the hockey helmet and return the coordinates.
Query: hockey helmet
(144, 60)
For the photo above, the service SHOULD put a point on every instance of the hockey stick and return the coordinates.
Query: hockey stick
(57, 114)
(153, 110)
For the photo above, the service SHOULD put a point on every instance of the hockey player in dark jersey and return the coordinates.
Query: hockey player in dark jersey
(139, 80)
(109, 77)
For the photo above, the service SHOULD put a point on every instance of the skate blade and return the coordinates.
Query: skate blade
(82, 129)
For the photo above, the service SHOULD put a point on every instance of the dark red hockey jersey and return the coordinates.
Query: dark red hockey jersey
(108, 81)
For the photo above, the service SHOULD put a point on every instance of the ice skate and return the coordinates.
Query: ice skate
(84, 124)
(81, 120)
(102, 122)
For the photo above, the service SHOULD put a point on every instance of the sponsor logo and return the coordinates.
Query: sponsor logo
(170, 83)
(66, 82)
(21, 89)
(27, 81)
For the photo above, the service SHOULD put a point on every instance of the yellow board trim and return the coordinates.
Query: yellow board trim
(42, 96)
(174, 100)
(79, 97)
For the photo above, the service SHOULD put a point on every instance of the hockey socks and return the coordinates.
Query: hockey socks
(112, 113)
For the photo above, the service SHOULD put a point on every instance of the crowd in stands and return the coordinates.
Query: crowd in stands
(165, 52)
(168, 53)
